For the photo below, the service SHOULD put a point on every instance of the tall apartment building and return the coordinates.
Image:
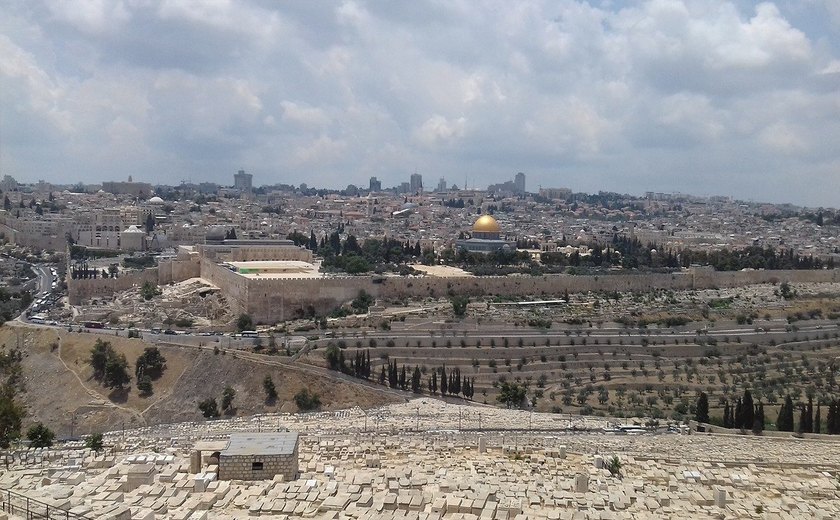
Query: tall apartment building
(416, 183)
(519, 182)
(375, 184)
(441, 187)
(242, 181)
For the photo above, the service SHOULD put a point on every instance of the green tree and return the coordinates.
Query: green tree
(785, 421)
(149, 290)
(150, 363)
(334, 357)
(11, 416)
(748, 411)
(702, 408)
(144, 384)
(209, 408)
(109, 367)
(355, 264)
(459, 305)
(269, 388)
(362, 302)
(98, 359)
(244, 322)
(94, 442)
(306, 400)
(116, 371)
(415, 380)
(511, 394)
(40, 436)
(227, 398)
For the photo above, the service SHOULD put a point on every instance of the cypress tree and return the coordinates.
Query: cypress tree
(781, 423)
(702, 409)
(444, 384)
(817, 420)
(739, 415)
(788, 415)
(727, 415)
(415, 380)
(758, 424)
(803, 419)
(748, 411)
(809, 416)
(833, 422)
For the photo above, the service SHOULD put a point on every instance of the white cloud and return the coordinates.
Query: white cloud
(438, 130)
(91, 16)
(333, 93)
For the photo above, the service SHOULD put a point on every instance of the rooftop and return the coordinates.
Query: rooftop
(261, 444)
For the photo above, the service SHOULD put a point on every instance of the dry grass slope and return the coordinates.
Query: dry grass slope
(59, 384)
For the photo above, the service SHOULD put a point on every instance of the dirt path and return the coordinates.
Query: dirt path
(96, 396)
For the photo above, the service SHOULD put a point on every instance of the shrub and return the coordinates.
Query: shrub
(209, 408)
(94, 442)
(306, 400)
(40, 436)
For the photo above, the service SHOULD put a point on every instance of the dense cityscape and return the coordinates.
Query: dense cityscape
(659, 314)
(421, 260)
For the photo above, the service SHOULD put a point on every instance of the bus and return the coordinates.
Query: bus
(248, 334)
(94, 325)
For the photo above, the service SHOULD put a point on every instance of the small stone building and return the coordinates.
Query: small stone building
(259, 456)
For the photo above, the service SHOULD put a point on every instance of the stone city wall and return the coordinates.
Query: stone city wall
(232, 285)
(80, 290)
(178, 269)
(240, 467)
(272, 300)
(269, 301)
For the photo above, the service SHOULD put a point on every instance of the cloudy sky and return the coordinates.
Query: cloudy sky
(704, 97)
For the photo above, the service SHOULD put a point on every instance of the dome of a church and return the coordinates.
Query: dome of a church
(156, 200)
(486, 224)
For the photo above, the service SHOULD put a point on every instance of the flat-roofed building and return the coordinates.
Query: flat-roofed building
(259, 456)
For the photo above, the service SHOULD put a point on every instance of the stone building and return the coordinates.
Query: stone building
(259, 456)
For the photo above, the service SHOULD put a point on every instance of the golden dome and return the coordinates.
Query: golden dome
(486, 224)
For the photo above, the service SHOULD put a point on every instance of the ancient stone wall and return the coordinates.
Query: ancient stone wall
(84, 289)
(241, 467)
(178, 269)
(232, 285)
(270, 300)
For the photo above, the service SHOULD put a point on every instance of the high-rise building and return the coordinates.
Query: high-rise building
(519, 182)
(441, 187)
(242, 181)
(416, 183)
(375, 184)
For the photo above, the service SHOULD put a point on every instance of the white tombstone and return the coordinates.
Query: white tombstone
(482, 445)
(599, 462)
(561, 452)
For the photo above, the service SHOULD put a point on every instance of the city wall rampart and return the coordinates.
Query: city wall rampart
(178, 269)
(232, 285)
(271, 300)
(80, 290)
